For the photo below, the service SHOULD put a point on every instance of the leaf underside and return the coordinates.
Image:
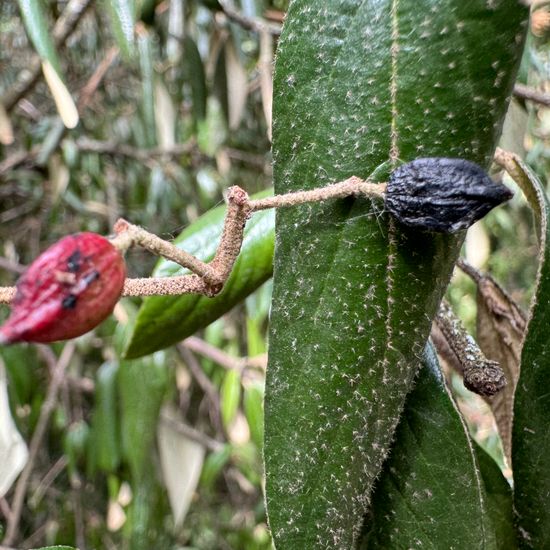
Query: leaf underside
(359, 87)
(437, 490)
(530, 435)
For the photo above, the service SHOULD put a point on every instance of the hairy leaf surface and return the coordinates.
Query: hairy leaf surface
(437, 489)
(359, 87)
(530, 436)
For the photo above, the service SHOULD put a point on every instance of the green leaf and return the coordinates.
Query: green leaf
(356, 84)
(23, 368)
(253, 403)
(194, 73)
(122, 18)
(230, 396)
(165, 320)
(62, 547)
(36, 24)
(530, 437)
(105, 424)
(141, 386)
(437, 490)
(145, 48)
(499, 500)
(213, 466)
(75, 441)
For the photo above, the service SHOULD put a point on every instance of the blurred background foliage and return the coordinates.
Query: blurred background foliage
(173, 98)
(162, 452)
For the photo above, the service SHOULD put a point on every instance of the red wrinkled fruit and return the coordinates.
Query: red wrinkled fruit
(68, 290)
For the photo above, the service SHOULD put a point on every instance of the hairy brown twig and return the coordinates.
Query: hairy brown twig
(208, 278)
(481, 375)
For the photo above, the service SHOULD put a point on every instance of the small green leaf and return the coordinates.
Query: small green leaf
(122, 18)
(213, 466)
(141, 386)
(194, 73)
(230, 396)
(436, 489)
(37, 26)
(530, 436)
(145, 48)
(165, 320)
(253, 404)
(105, 437)
(74, 444)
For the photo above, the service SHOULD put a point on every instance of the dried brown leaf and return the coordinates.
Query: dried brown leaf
(500, 327)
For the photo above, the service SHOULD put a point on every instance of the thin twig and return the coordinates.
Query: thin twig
(90, 88)
(57, 368)
(250, 23)
(87, 145)
(17, 159)
(130, 235)
(197, 345)
(193, 434)
(205, 384)
(48, 479)
(202, 380)
(63, 28)
(145, 156)
(351, 187)
(481, 375)
(10, 265)
(208, 278)
(5, 508)
(470, 270)
(526, 92)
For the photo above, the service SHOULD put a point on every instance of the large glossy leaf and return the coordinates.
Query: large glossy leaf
(358, 84)
(165, 320)
(437, 490)
(530, 436)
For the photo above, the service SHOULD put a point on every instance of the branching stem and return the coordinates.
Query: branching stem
(481, 375)
(208, 278)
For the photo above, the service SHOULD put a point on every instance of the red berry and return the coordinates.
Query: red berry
(68, 290)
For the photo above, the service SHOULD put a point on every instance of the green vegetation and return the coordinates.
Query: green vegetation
(149, 431)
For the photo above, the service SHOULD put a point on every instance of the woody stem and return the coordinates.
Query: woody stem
(209, 278)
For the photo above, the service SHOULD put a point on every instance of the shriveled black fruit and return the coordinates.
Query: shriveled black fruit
(441, 194)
